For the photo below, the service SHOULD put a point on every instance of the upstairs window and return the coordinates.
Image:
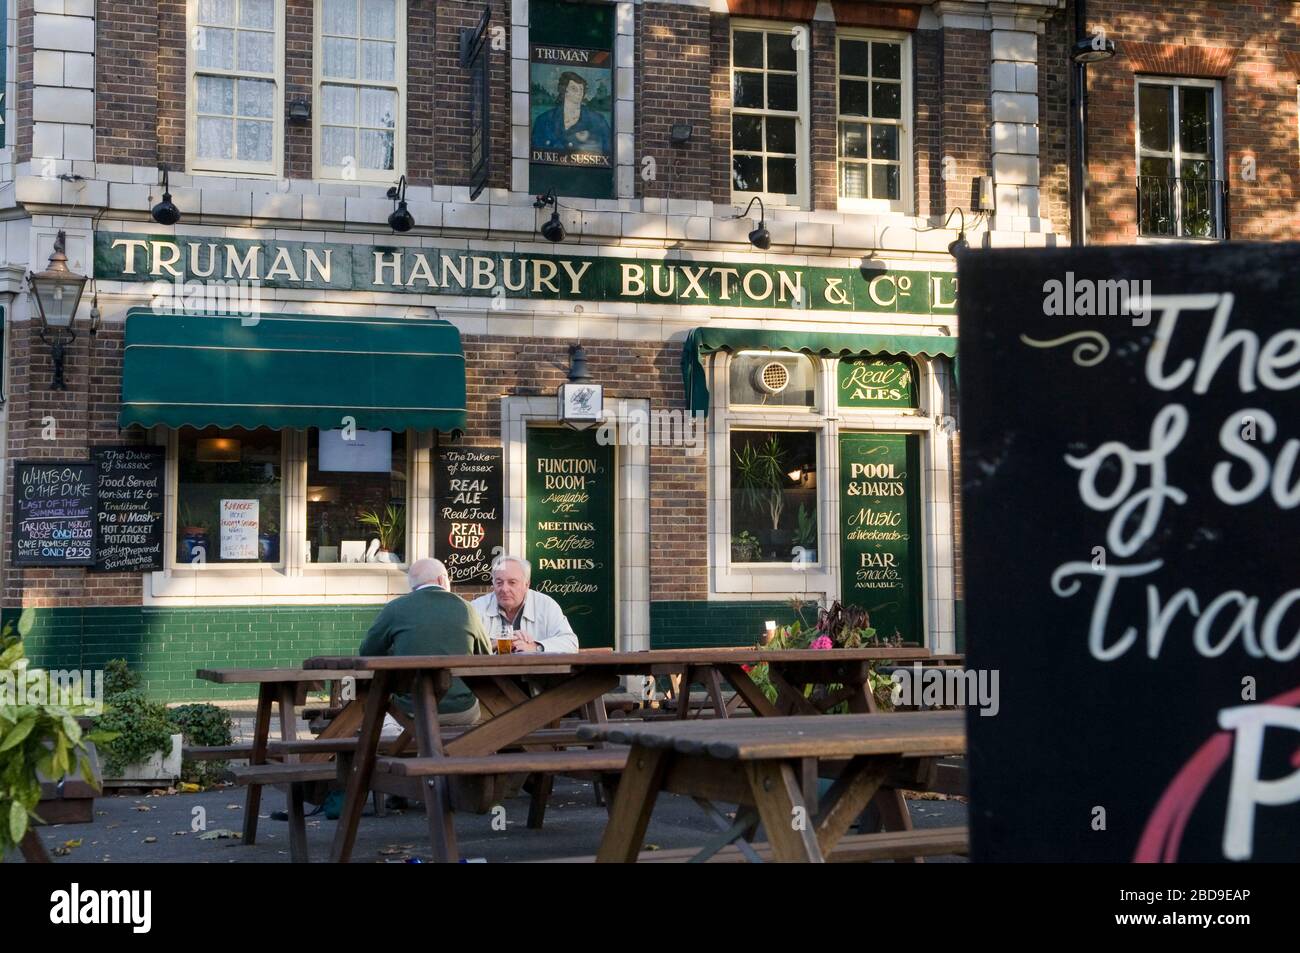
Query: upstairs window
(1180, 185)
(874, 111)
(236, 86)
(769, 154)
(360, 88)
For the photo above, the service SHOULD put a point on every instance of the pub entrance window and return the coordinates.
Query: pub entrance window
(773, 496)
(356, 496)
(229, 495)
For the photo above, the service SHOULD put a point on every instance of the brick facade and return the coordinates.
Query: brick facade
(1248, 49)
(674, 63)
(126, 80)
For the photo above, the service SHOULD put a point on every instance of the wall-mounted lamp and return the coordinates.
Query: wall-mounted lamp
(679, 133)
(553, 229)
(760, 237)
(57, 292)
(401, 220)
(165, 212)
(581, 404)
(300, 112)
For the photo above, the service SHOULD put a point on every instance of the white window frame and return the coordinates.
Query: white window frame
(803, 143)
(358, 174)
(906, 160)
(778, 408)
(821, 580)
(1175, 154)
(268, 170)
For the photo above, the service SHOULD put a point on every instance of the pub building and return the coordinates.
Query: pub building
(661, 295)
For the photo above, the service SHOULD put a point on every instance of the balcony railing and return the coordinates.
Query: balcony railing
(1182, 208)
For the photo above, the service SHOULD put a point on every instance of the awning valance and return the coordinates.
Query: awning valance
(705, 340)
(292, 371)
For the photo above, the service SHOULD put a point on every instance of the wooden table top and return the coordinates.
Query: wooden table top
(232, 676)
(915, 734)
(528, 661)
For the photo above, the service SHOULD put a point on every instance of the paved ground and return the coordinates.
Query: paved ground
(124, 825)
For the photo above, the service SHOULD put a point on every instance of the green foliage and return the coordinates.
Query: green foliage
(141, 728)
(389, 525)
(202, 725)
(119, 678)
(762, 478)
(43, 737)
(805, 533)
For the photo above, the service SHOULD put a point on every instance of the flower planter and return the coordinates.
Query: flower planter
(160, 770)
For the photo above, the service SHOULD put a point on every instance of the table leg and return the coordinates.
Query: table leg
(261, 729)
(437, 795)
(891, 804)
(857, 784)
(633, 803)
(713, 684)
(775, 790)
(684, 695)
(363, 765)
(739, 679)
(297, 825)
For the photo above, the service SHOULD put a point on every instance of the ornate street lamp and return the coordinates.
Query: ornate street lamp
(57, 292)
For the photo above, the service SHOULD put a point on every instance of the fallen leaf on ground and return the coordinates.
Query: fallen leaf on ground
(220, 833)
(72, 843)
(233, 807)
(151, 839)
(142, 807)
(179, 833)
(187, 788)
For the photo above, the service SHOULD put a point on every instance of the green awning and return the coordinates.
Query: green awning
(292, 371)
(705, 340)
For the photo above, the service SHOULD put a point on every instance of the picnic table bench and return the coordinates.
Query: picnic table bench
(757, 764)
(561, 684)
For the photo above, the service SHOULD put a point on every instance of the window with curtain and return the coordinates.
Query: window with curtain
(360, 86)
(236, 85)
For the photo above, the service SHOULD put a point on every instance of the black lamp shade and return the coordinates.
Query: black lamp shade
(1086, 50)
(553, 230)
(761, 237)
(401, 220)
(165, 212)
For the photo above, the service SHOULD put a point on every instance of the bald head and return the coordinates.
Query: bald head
(424, 572)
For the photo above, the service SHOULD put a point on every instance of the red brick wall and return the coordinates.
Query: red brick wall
(437, 116)
(1054, 121)
(964, 114)
(126, 76)
(299, 32)
(172, 42)
(23, 76)
(720, 49)
(674, 85)
(824, 106)
(84, 415)
(1259, 109)
(927, 108)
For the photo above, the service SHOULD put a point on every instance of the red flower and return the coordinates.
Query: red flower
(746, 668)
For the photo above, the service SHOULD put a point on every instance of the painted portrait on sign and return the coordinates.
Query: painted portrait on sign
(571, 107)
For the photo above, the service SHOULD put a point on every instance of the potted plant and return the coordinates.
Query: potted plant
(745, 548)
(805, 534)
(202, 725)
(194, 532)
(762, 482)
(146, 747)
(268, 537)
(39, 739)
(389, 526)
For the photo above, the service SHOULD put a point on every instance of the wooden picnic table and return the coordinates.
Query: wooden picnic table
(756, 763)
(279, 686)
(562, 683)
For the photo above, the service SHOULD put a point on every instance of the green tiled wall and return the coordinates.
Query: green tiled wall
(681, 625)
(166, 645)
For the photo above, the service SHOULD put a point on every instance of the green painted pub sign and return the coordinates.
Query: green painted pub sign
(178, 259)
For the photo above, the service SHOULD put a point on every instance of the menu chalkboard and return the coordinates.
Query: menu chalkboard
(467, 485)
(54, 513)
(570, 489)
(129, 519)
(1130, 446)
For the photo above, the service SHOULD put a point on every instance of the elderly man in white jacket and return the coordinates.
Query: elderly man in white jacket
(536, 619)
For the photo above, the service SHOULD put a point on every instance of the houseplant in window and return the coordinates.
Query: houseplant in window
(761, 469)
(268, 537)
(194, 533)
(389, 527)
(805, 535)
(745, 547)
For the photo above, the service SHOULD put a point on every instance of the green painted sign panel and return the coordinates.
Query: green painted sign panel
(880, 531)
(181, 264)
(570, 513)
(571, 98)
(876, 382)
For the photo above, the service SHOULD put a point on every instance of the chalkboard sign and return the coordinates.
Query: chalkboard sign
(467, 511)
(129, 517)
(571, 528)
(54, 513)
(1130, 437)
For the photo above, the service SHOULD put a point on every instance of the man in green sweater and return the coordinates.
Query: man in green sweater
(431, 620)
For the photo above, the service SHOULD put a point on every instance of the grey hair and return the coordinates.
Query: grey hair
(424, 571)
(523, 564)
